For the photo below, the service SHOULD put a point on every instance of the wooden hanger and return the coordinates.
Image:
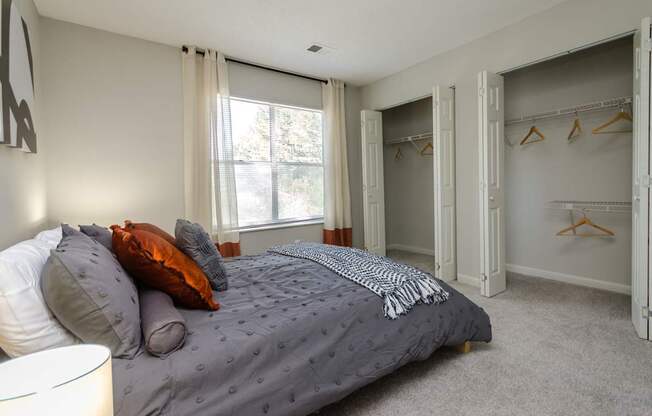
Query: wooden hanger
(576, 131)
(622, 115)
(585, 221)
(533, 130)
(424, 151)
(399, 154)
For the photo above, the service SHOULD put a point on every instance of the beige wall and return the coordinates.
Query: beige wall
(22, 175)
(256, 242)
(593, 167)
(571, 24)
(113, 124)
(115, 128)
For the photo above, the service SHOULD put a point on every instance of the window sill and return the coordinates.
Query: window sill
(281, 225)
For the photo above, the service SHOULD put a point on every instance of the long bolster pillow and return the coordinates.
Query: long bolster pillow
(163, 326)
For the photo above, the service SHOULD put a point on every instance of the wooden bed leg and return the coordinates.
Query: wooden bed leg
(464, 348)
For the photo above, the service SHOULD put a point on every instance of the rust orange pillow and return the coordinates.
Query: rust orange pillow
(143, 226)
(152, 260)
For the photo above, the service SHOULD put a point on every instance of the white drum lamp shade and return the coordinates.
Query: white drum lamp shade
(70, 381)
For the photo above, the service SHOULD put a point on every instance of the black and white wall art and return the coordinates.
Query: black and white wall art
(16, 80)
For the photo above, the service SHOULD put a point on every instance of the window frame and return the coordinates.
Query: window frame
(274, 164)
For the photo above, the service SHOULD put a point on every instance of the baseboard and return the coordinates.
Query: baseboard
(411, 249)
(468, 280)
(569, 278)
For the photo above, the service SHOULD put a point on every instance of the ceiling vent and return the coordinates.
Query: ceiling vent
(314, 48)
(319, 48)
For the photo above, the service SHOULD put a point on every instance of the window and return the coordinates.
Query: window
(278, 157)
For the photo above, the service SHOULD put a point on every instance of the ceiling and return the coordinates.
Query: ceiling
(370, 39)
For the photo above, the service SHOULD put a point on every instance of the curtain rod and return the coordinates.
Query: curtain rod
(280, 71)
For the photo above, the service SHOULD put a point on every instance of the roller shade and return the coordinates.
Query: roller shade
(272, 87)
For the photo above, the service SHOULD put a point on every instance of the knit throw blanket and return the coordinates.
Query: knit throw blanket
(399, 285)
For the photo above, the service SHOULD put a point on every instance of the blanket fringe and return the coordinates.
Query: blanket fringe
(400, 301)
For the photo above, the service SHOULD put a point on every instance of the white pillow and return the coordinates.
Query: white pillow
(52, 237)
(26, 323)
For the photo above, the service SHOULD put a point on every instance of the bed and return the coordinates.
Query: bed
(291, 336)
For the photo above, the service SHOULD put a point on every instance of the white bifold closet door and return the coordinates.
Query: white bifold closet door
(491, 123)
(444, 181)
(641, 258)
(373, 192)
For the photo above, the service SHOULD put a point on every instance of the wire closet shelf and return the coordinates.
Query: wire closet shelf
(412, 139)
(570, 111)
(592, 206)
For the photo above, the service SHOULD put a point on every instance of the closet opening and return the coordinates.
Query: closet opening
(570, 138)
(567, 167)
(408, 182)
(408, 169)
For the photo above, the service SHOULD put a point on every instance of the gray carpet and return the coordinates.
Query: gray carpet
(558, 349)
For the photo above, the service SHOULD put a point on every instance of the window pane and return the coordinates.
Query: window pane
(253, 184)
(300, 191)
(250, 130)
(298, 135)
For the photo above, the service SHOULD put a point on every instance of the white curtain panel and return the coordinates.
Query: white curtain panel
(209, 177)
(337, 198)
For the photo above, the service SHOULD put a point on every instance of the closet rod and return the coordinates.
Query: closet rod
(569, 111)
(280, 71)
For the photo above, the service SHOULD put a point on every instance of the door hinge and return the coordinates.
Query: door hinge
(481, 91)
(437, 266)
(645, 312)
(645, 180)
(483, 277)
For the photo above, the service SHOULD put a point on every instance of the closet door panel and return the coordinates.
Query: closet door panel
(641, 183)
(491, 190)
(444, 182)
(373, 182)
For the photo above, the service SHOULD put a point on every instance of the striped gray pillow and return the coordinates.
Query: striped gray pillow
(195, 243)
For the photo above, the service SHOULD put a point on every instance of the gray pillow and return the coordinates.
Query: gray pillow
(197, 244)
(163, 326)
(103, 235)
(91, 295)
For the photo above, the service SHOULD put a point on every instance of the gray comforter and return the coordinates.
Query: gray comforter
(290, 337)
